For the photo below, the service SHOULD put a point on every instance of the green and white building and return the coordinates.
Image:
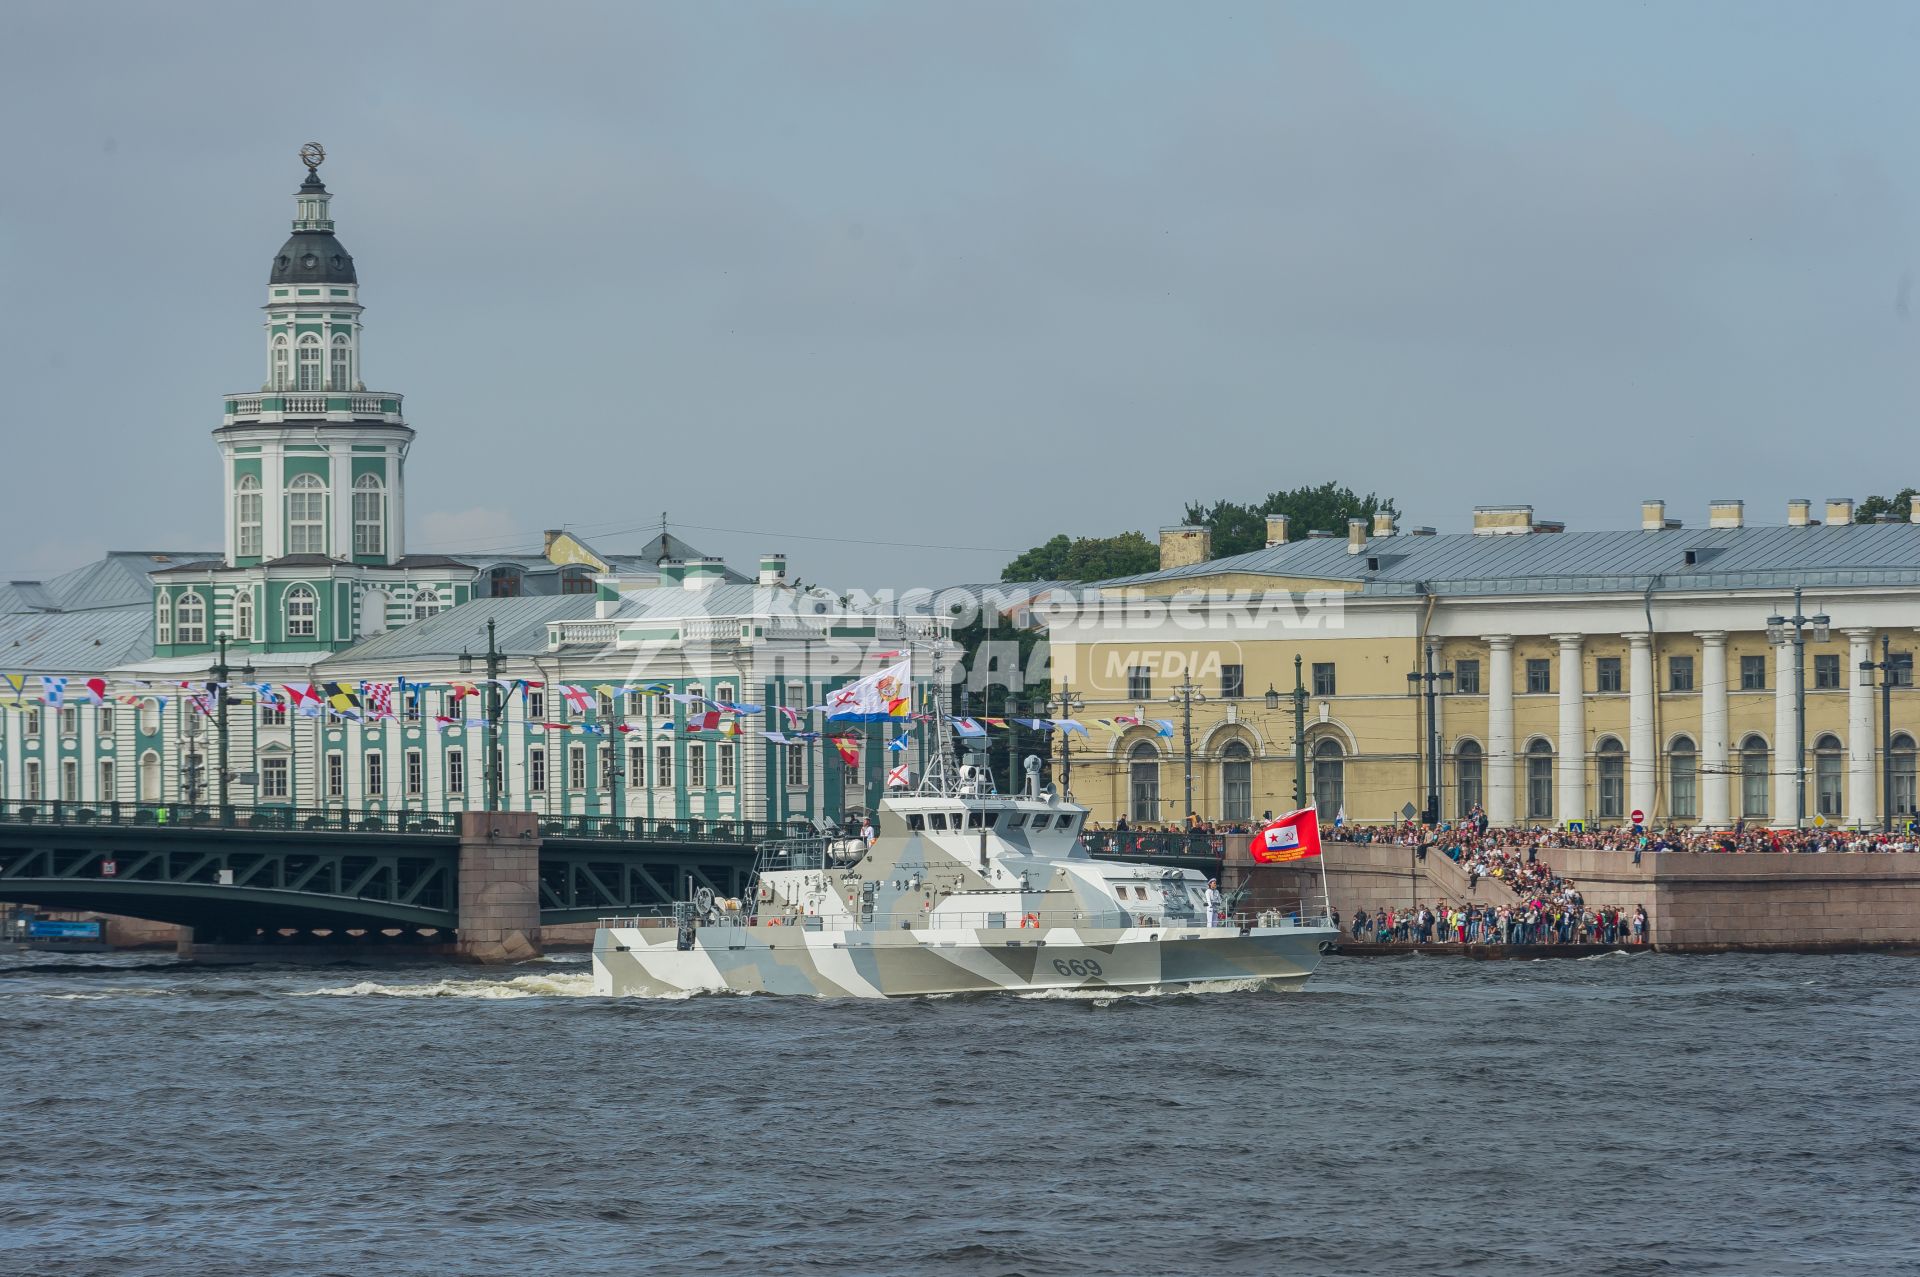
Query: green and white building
(314, 584)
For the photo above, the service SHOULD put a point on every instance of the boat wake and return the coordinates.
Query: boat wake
(1251, 984)
(556, 985)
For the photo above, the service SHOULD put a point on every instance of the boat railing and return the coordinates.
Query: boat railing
(989, 920)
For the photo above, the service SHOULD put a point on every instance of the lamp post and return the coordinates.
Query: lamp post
(1894, 667)
(1430, 678)
(220, 673)
(1186, 696)
(1781, 631)
(1066, 702)
(494, 707)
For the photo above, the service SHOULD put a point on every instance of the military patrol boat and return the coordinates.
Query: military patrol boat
(962, 890)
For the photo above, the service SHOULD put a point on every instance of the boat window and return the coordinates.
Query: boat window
(1063, 822)
(939, 819)
(916, 821)
(973, 820)
(1139, 893)
(993, 819)
(1016, 820)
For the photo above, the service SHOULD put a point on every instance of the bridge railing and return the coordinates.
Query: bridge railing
(724, 832)
(335, 819)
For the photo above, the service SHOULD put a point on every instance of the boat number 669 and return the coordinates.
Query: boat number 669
(1076, 966)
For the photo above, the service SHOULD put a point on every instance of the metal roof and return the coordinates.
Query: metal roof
(120, 579)
(520, 628)
(89, 642)
(1590, 562)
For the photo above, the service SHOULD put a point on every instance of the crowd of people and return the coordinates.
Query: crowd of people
(1532, 922)
(1741, 837)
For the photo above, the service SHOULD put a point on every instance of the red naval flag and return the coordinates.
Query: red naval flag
(1294, 836)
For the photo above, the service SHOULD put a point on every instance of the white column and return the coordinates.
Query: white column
(1501, 762)
(1862, 743)
(1571, 801)
(1643, 756)
(1785, 778)
(273, 502)
(1716, 781)
(340, 499)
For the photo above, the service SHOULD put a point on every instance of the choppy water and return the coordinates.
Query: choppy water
(1614, 1115)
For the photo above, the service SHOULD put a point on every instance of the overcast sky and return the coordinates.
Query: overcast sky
(850, 277)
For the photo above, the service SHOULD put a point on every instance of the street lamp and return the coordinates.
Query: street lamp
(1895, 668)
(494, 704)
(1067, 702)
(1415, 678)
(220, 673)
(1781, 631)
(1186, 696)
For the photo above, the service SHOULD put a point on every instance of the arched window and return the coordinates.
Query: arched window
(1683, 779)
(1905, 789)
(425, 603)
(150, 777)
(1143, 782)
(341, 375)
(1540, 781)
(576, 580)
(503, 583)
(282, 378)
(162, 619)
(306, 515)
(1469, 776)
(1827, 770)
(246, 516)
(1610, 769)
(243, 614)
(369, 516)
(190, 618)
(309, 365)
(1236, 781)
(302, 612)
(1753, 778)
(1329, 779)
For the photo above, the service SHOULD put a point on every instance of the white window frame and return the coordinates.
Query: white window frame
(376, 770)
(456, 771)
(340, 363)
(369, 515)
(536, 770)
(696, 765)
(304, 623)
(107, 781)
(426, 603)
(663, 766)
(310, 373)
(536, 705)
(69, 720)
(336, 775)
(280, 364)
(276, 776)
(306, 507)
(249, 517)
(416, 777)
(796, 766)
(243, 614)
(163, 619)
(726, 774)
(577, 767)
(190, 618)
(103, 721)
(32, 780)
(69, 780)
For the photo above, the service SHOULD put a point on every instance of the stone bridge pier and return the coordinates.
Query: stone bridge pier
(499, 908)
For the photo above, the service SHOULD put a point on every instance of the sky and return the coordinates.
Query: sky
(902, 289)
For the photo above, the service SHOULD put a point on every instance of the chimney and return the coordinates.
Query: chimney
(606, 598)
(1839, 509)
(1653, 516)
(773, 569)
(672, 571)
(1356, 535)
(1383, 523)
(1502, 520)
(1726, 514)
(1913, 510)
(701, 573)
(1277, 529)
(547, 539)
(1799, 512)
(1184, 546)
(1422, 532)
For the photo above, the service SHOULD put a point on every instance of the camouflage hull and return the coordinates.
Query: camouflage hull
(648, 961)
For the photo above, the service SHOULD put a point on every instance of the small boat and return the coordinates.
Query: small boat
(962, 890)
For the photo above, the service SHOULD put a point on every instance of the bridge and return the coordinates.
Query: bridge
(475, 880)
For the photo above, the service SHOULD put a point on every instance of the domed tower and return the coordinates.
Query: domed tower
(315, 462)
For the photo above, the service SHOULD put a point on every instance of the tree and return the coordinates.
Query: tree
(1238, 529)
(1085, 559)
(1900, 505)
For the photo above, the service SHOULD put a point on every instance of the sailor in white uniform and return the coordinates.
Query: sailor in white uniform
(1216, 903)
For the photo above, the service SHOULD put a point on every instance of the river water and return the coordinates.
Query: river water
(1609, 1115)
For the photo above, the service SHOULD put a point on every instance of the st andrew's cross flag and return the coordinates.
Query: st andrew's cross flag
(1294, 836)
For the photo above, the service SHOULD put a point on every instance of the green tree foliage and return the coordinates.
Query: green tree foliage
(1085, 559)
(1900, 505)
(1238, 528)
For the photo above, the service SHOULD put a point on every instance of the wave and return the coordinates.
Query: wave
(556, 985)
(1250, 984)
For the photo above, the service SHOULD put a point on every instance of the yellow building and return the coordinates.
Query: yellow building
(1577, 677)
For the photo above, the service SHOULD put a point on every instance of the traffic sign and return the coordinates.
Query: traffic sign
(1639, 817)
(109, 868)
(1409, 811)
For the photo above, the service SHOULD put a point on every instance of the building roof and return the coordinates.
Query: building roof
(520, 628)
(1819, 555)
(122, 578)
(313, 256)
(75, 642)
